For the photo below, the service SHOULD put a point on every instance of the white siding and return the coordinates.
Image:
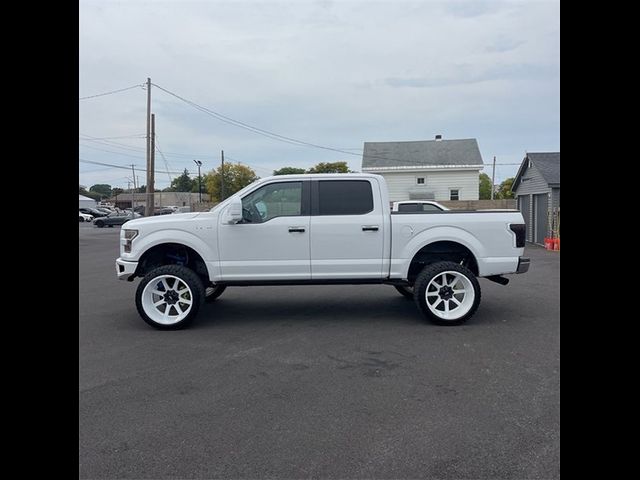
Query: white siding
(467, 182)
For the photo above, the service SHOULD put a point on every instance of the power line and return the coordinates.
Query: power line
(139, 135)
(82, 160)
(140, 149)
(111, 92)
(111, 151)
(259, 131)
(166, 164)
(276, 136)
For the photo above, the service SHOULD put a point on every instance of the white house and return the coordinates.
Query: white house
(86, 202)
(429, 170)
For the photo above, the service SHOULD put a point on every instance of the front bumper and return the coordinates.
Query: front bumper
(125, 269)
(523, 265)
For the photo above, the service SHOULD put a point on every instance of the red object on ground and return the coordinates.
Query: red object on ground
(556, 244)
(548, 243)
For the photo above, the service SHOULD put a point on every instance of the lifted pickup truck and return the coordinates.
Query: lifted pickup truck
(318, 229)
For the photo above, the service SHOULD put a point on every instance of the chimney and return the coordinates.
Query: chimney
(438, 138)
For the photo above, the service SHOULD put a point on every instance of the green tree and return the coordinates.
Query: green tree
(101, 189)
(117, 191)
(236, 177)
(335, 167)
(289, 171)
(505, 189)
(93, 195)
(485, 187)
(183, 183)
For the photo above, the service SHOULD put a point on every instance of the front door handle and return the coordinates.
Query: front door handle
(370, 228)
(296, 230)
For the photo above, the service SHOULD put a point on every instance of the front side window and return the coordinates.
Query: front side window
(344, 197)
(420, 180)
(454, 194)
(273, 200)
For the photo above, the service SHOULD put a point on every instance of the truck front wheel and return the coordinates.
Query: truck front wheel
(447, 293)
(169, 297)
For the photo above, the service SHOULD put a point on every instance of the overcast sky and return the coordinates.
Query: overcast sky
(332, 73)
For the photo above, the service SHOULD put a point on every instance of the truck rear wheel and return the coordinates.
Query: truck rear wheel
(447, 293)
(169, 297)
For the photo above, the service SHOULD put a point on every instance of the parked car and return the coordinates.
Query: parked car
(92, 211)
(106, 210)
(417, 206)
(85, 217)
(318, 229)
(163, 211)
(115, 219)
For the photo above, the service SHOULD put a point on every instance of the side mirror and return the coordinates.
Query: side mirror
(234, 212)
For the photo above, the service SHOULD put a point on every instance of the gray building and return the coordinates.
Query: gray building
(427, 169)
(537, 189)
(160, 199)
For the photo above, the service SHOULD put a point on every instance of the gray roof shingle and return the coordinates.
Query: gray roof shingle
(426, 152)
(548, 164)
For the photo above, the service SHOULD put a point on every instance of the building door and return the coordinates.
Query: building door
(524, 207)
(541, 219)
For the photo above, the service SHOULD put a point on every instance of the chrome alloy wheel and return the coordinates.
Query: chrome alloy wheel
(450, 295)
(167, 299)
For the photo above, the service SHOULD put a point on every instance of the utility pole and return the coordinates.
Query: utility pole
(222, 179)
(149, 207)
(199, 164)
(493, 177)
(148, 211)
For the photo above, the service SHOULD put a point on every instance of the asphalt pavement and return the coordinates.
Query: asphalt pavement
(319, 382)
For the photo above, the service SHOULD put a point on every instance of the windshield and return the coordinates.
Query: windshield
(240, 192)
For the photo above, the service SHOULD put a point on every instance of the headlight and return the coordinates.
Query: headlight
(129, 235)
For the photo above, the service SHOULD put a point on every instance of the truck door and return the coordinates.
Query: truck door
(272, 241)
(347, 229)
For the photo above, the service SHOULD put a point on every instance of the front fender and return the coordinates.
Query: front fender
(208, 250)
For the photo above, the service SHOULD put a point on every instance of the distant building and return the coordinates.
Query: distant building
(426, 170)
(86, 202)
(537, 189)
(160, 199)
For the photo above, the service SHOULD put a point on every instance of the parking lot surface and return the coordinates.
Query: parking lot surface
(318, 381)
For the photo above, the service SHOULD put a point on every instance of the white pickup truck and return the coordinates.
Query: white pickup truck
(318, 229)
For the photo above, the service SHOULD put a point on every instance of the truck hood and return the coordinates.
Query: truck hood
(162, 221)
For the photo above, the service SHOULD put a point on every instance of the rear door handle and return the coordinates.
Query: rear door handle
(296, 230)
(370, 228)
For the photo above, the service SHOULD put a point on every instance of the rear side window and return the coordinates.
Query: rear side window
(427, 207)
(408, 207)
(344, 197)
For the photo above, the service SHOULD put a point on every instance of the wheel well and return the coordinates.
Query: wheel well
(172, 254)
(438, 251)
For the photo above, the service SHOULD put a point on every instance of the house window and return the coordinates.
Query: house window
(420, 180)
(454, 194)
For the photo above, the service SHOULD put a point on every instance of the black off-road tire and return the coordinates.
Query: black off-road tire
(186, 275)
(425, 277)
